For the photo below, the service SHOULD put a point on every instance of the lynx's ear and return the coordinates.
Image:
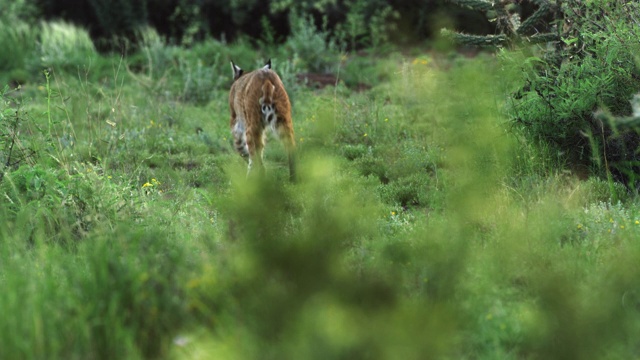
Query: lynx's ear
(268, 65)
(237, 72)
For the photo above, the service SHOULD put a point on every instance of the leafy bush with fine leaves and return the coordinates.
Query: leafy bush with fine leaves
(593, 69)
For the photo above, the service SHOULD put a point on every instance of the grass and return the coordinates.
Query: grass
(420, 227)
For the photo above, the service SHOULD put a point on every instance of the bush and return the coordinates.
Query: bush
(18, 10)
(21, 38)
(65, 46)
(367, 24)
(578, 85)
(593, 69)
(314, 48)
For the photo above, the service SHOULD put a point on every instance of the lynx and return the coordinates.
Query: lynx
(259, 103)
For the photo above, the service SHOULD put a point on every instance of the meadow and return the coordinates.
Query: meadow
(422, 224)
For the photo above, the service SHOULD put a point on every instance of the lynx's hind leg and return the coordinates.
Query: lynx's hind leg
(255, 147)
(240, 139)
(284, 132)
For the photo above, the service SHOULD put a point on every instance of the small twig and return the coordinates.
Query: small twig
(604, 148)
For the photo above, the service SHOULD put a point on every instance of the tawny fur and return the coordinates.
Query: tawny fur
(258, 101)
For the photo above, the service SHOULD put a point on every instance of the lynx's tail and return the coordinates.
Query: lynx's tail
(266, 103)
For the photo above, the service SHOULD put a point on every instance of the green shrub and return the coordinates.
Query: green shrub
(584, 67)
(313, 47)
(367, 24)
(594, 69)
(15, 11)
(413, 190)
(21, 38)
(119, 18)
(199, 81)
(63, 46)
(514, 28)
(154, 62)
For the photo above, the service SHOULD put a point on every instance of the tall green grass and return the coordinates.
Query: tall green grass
(21, 38)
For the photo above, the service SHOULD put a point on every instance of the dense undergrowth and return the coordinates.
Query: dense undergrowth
(422, 225)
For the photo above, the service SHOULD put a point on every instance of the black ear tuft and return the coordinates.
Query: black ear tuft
(237, 71)
(267, 66)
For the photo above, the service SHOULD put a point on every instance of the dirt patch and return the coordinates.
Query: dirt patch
(319, 81)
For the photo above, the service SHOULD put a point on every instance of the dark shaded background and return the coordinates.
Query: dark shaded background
(108, 20)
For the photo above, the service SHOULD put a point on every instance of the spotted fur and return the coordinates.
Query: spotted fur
(259, 102)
